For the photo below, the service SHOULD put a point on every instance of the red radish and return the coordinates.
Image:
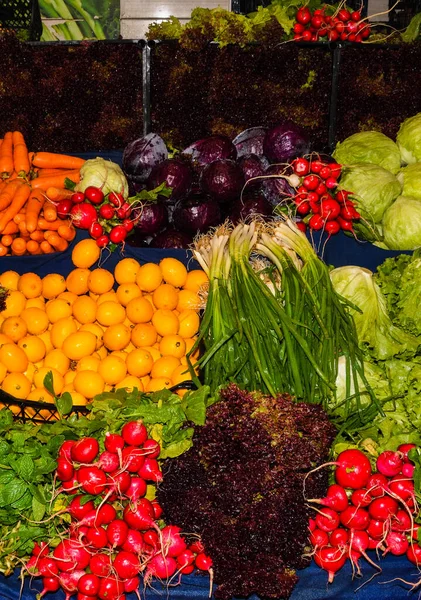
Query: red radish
(353, 469)
(319, 538)
(342, 196)
(107, 211)
(316, 166)
(414, 531)
(134, 542)
(203, 562)
(389, 463)
(116, 199)
(396, 543)
(113, 442)
(151, 538)
(377, 529)
(65, 470)
(96, 230)
(316, 222)
(79, 507)
(117, 532)
(327, 519)
(377, 484)
(120, 482)
(373, 544)
(137, 489)
(301, 166)
(310, 182)
(402, 486)
(339, 537)
(329, 209)
(77, 197)
(118, 234)
(404, 449)
(94, 194)
(172, 544)
(97, 537)
(81, 596)
(331, 560)
(355, 518)
(71, 486)
(83, 215)
(128, 225)
(345, 225)
(126, 564)
(92, 480)
(383, 508)
(47, 566)
(157, 509)
(88, 584)
(85, 450)
(332, 227)
(106, 514)
(110, 588)
(311, 524)
(132, 584)
(70, 555)
(413, 554)
(134, 433)
(161, 566)
(40, 550)
(150, 470)
(359, 541)
(64, 207)
(303, 15)
(133, 458)
(301, 226)
(408, 470)
(69, 581)
(325, 172)
(139, 515)
(185, 559)
(32, 566)
(102, 241)
(100, 564)
(360, 497)
(50, 584)
(401, 521)
(197, 547)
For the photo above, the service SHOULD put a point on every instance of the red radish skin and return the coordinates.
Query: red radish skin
(117, 532)
(69, 581)
(389, 463)
(327, 519)
(331, 560)
(101, 564)
(339, 537)
(355, 518)
(353, 469)
(319, 538)
(361, 497)
(396, 543)
(203, 562)
(47, 567)
(137, 489)
(157, 509)
(401, 521)
(197, 547)
(108, 462)
(150, 470)
(71, 554)
(133, 459)
(162, 567)
(139, 515)
(408, 470)
(134, 542)
(110, 588)
(50, 584)
(92, 480)
(151, 538)
(85, 450)
(383, 508)
(120, 482)
(404, 449)
(172, 544)
(377, 529)
(151, 448)
(113, 442)
(64, 470)
(413, 554)
(126, 565)
(97, 537)
(41, 549)
(359, 541)
(65, 449)
(88, 584)
(185, 559)
(377, 485)
(134, 433)
(402, 486)
(79, 507)
(336, 498)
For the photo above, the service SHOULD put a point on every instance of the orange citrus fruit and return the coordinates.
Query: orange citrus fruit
(165, 322)
(165, 296)
(58, 309)
(126, 270)
(69, 376)
(38, 302)
(88, 363)
(70, 297)
(14, 327)
(129, 383)
(88, 383)
(56, 359)
(84, 309)
(110, 313)
(30, 284)
(79, 344)
(9, 280)
(188, 300)
(61, 331)
(17, 385)
(126, 292)
(173, 271)
(189, 323)
(31, 370)
(101, 352)
(15, 304)
(3, 372)
(77, 398)
(110, 296)
(46, 338)
(113, 369)
(139, 362)
(33, 346)
(53, 284)
(180, 374)
(40, 395)
(172, 345)
(4, 339)
(157, 384)
(100, 281)
(97, 330)
(139, 310)
(164, 367)
(149, 277)
(196, 280)
(116, 337)
(36, 320)
(85, 253)
(13, 358)
(58, 380)
(77, 281)
(143, 334)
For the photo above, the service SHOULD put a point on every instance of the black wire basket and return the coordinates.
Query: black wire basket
(21, 17)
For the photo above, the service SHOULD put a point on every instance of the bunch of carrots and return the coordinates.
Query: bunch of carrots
(31, 184)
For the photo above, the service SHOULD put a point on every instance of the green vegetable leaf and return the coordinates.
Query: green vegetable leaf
(49, 383)
(38, 509)
(25, 467)
(64, 404)
(194, 404)
(6, 418)
(11, 492)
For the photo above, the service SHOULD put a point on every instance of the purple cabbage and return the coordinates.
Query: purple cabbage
(176, 174)
(211, 148)
(285, 141)
(250, 141)
(171, 238)
(253, 166)
(141, 155)
(151, 218)
(248, 207)
(277, 189)
(222, 180)
(196, 215)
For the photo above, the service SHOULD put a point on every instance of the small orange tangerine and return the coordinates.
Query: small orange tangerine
(157, 384)
(84, 310)
(110, 296)
(143, 334)
(180, 374)
(189, 323)
(126, 292)
(100, 281)
(97, 330)
(126, 270)
(101, 352)
(139, 362)
(173, 271)
(56, 359)
(164, 367)
(70, 297)
(57, 308)
(30, 371)
(188, 300)
(13, 358)
(14, 327)
(57, 379)
(88, 363)
(9, 280)
(153, 351)
(53, 284)
(38, 302)
(68, 377)
(46, 338)
(110, 313)
(30, 284)
(15, 304)
(77, 281)
(88, 383)
(36, 320)
(165, 322)
(5, 339)
(113, 369)
(116, 337)
(139, 310)
(149, 277)
(33, 346)
(172, 345)
(195, 280)
(61, 330)
(40, 395)
(129, 383)
(85, 253)
(17, 385)
(3, 372)
(165, 296)
(79, 344)
(77, 398)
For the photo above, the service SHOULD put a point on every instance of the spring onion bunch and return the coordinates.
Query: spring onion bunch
(273, 321)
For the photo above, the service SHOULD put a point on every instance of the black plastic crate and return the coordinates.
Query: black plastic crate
(22, 17)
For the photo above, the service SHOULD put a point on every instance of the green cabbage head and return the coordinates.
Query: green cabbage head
(373, 187)
(369, 147)
(402, 224)
(410, 178)
(103, 174)
(409, 140)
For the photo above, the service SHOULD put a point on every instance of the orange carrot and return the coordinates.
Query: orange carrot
(67, 232)
(20, 154)
(11, 228)
(18, 246)
(20, 196)
(43, 183)
(37, 235)
(8, 193)
(6, 155)
(48, 172)
(33, 247)
(6, 240)
(4, 250)
(49, 225)
(21, 216)
(51, 160)
(23, 229)
(33, 209)
(46, 247)
(56, 194)
(57, 242)
(50, 212)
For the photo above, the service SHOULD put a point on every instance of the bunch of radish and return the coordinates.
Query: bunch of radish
(115, 535)
(319, 204)
(108, 218)
(367, 510)
(342, 25)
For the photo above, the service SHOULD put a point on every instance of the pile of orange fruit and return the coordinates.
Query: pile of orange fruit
(95, 330)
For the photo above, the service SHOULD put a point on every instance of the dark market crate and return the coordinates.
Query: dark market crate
(21, 17)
